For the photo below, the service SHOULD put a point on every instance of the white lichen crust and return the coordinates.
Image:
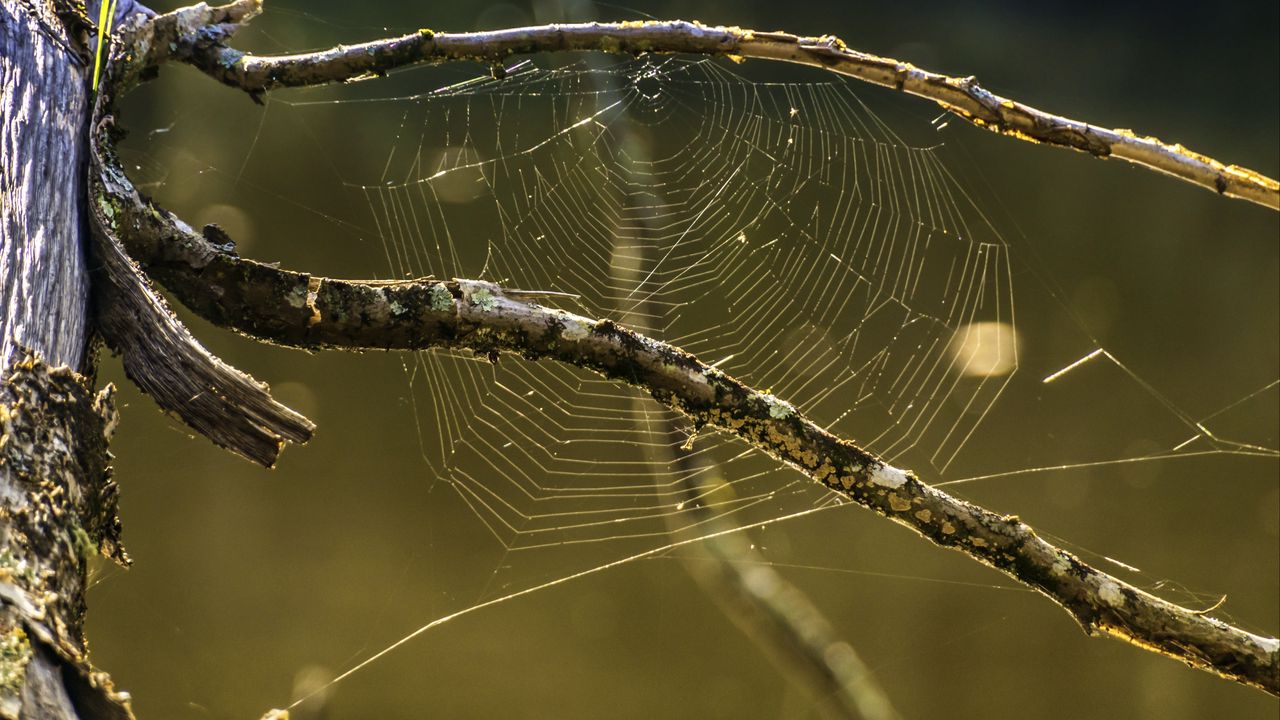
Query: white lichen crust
(888, 476)
(1109, 592)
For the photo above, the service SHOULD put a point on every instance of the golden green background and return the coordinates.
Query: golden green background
(247, 581)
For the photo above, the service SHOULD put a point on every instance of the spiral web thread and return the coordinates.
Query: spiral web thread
(779, 231)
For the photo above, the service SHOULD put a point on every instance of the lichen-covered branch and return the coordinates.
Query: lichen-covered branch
(57, 509)
(301, 310)
(963, 97)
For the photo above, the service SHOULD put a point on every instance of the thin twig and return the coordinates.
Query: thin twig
(962, 96)
(772, 612)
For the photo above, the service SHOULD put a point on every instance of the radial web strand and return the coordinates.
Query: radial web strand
(779, 231)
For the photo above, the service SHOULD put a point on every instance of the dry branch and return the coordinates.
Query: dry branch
(963, 97)
(304, 311)
(161, 355)
(168, 363)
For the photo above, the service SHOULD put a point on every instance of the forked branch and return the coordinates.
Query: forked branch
(962, 97)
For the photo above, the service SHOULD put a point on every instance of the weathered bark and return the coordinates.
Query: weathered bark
(57, 508)
(57, 501)
(44, 283)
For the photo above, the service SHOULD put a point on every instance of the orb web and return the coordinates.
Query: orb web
(779, 231)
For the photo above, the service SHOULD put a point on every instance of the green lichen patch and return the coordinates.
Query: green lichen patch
(484, 300)
(15, 653)
(778, 409)
(1111, 594)
(85, 545)
(575, 329)
(440, 298)
(108, 210)
(12, 568)
(297, 297)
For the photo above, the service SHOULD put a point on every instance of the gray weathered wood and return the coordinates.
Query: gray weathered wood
(44, 283)
(57, 503)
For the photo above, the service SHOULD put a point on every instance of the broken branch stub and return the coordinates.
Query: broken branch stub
(158, 352)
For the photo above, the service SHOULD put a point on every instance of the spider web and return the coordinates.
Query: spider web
(779, 231)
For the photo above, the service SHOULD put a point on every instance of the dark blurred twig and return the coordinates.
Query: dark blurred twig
(773, 612)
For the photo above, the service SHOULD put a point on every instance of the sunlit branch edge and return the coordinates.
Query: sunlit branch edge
(961, 96)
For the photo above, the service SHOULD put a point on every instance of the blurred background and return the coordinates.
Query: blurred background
(252, 587)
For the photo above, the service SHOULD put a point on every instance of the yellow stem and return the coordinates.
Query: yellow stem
(106, 14)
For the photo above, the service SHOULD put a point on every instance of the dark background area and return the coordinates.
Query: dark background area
(248, 583)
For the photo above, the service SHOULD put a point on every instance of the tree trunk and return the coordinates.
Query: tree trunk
(57, 501)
